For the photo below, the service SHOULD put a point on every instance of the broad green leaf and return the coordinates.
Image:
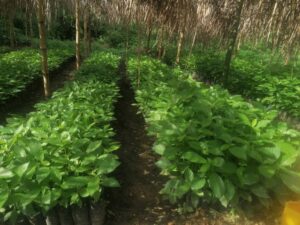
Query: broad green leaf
(218, 162)
(5, 173)
(193, 157)
(198, 184)
(238, 152)
(75, 182)
(93, 146)
(20, 170)
(42, 173)
(4, 194)
(189, 175)
(267, 171)
(159, 149)
(217, 185)
(260, 191)
(110, 182)
(291, 179)
(107, 163)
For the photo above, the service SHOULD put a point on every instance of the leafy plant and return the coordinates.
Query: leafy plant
(19, 68)
(62, 153)
(214, 147)
(255, 74)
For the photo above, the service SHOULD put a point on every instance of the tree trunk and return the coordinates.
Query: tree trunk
(11, 30)
(160, 43)
(232, 40)
(77, 15)
(85, 31)
(89, 39)
(193, 41)
(179, 46)
(30, 29)
(149, 35)
(139, 32)
(271, 21)
(43, 47)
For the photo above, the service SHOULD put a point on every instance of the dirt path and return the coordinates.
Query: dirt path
(24, 102)
(138, 201)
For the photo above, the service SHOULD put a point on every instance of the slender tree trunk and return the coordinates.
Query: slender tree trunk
(11, 30)
(232, 41)
(159, 41)
(43, 46)
(89, 39)
(193, 41)
(271, 21)
(30, 29)
(77, 15)
(85, 30)
(179, 46)
(26, 19)
(149, 35)
(139, 31)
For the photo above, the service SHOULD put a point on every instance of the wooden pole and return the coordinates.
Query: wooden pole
(232, 41)
(179, 46)
(43, 46)
(85, 30)
(77, 14)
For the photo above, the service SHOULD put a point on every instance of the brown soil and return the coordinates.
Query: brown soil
(24, 102)
(137, 201)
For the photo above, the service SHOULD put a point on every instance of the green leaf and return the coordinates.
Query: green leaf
(4, 194)
(245, 119)
(110, 182)
(260, 191)
(93, 146)
(159, 149)
(36, 150)
(291, 179)
(107, 163)
(75, 182)
(189, 175)
(218, 162)
(230, 190)
(26, 198)
(267, 171)
(193, 157)
(46, 197)
(42, 173)
(92, 188)
(240, 153)
(228, 167)
(20, 170)
(217, 185)
(5, 173)
(198, 184)
(273, 152)
(250, 178)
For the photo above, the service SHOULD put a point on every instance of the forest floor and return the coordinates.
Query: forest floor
(24, 102)
(137, 201)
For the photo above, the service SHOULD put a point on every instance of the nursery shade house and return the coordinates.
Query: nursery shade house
(122, 112)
